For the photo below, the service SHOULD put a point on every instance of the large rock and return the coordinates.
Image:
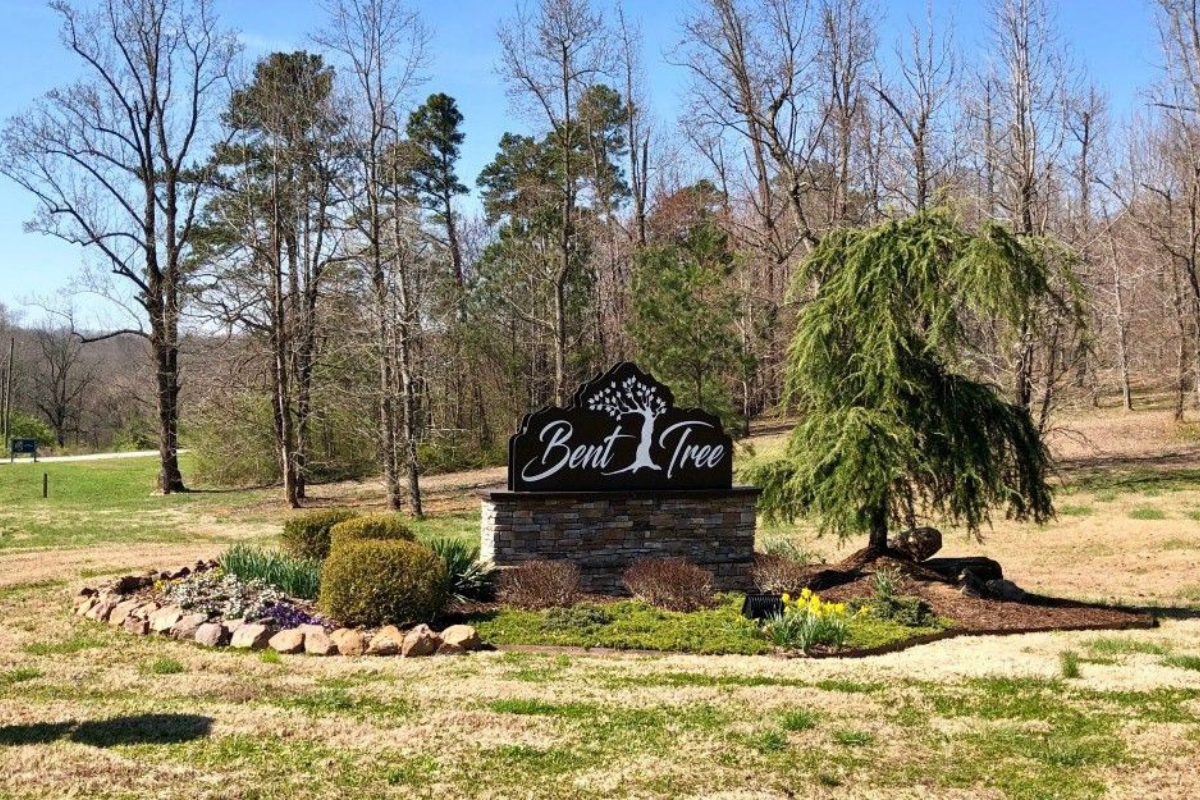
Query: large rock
(250, 636)
(349, 642)
(165, 618)
(972, 586)
(188, 625)
(387, 642)
(448, 649)
(103, 607)
(138, 627)
(463, 636)
(85, 605)
(212, 634)
(1005, 590)
(318, 643)
(952, 569)
(420, 641)
(122, 611)
(144, 610)
(131, 583)
(287, 642)
(917, 543)
(84, 600)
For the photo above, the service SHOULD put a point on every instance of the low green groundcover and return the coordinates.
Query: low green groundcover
(632, 625)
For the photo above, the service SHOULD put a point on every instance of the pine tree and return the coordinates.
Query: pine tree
(684, 322)
(893, 430)
(434, 141)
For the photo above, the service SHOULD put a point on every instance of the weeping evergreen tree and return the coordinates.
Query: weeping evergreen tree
(892, 429)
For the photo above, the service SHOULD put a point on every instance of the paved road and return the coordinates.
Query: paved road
(88, 457)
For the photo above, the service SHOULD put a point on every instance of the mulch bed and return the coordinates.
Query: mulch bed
(979, 616)
(972, 616)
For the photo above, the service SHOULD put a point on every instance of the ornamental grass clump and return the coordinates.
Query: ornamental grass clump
(470, 579)
(807, 622)
(378, 582)
(381, 527)
(306, 535)
(674, 584)
(297, 577)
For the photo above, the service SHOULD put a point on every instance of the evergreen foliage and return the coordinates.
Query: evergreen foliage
(435, 138)
(374, 582)
(306, 535)
(685, 319)
(892, 429)
(374, 527)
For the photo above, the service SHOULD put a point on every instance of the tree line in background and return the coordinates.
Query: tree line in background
(291, 247)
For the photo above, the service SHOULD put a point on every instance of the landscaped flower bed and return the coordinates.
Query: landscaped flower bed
(371, 589)
(634, 625)
(214, 608)
(375, 599)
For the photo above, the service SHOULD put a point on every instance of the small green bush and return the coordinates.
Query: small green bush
(470, 578)
(785, 548)
(306, 535)
(298, 577)
(376, 582)
(378, 527)
(911, 612)
(576, 618)
(888, 605)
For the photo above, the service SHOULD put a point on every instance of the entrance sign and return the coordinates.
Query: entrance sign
(22, 447)
(620, 432)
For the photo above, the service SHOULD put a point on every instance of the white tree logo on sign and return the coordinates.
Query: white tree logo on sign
(632, 397)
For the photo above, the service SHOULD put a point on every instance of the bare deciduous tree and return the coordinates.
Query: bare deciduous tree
(551, 60)
(383, 44)
(111, 161)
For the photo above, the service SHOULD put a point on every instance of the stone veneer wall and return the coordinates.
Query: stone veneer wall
(604, 532)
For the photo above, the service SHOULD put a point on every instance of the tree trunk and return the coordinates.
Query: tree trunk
(560, 342)
(879, 529)
(166, 358)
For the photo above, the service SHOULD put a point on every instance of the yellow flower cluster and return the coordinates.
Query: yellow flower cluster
(809, 603)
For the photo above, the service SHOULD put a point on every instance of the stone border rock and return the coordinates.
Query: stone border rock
(119, 604)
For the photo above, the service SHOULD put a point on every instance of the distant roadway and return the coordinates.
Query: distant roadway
(88, 457)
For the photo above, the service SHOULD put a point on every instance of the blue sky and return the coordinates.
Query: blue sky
(1114, 39)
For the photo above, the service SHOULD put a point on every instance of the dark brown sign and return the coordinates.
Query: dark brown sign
(621, 432)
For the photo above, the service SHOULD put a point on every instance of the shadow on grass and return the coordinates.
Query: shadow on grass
(1168, 612)
(1161, 472)
(112, 732)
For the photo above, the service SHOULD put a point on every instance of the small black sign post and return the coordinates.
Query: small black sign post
(22, 447)
(620, 432)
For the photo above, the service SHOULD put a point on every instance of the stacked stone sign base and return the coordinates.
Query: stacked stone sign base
(604, 532)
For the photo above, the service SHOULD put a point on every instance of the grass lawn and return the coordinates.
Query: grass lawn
(113, 502)
(95, 502)
(87, 712)
(105, 715)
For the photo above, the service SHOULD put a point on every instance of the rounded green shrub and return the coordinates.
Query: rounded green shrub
(306, 535)
(377, 582)
(386, 527)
